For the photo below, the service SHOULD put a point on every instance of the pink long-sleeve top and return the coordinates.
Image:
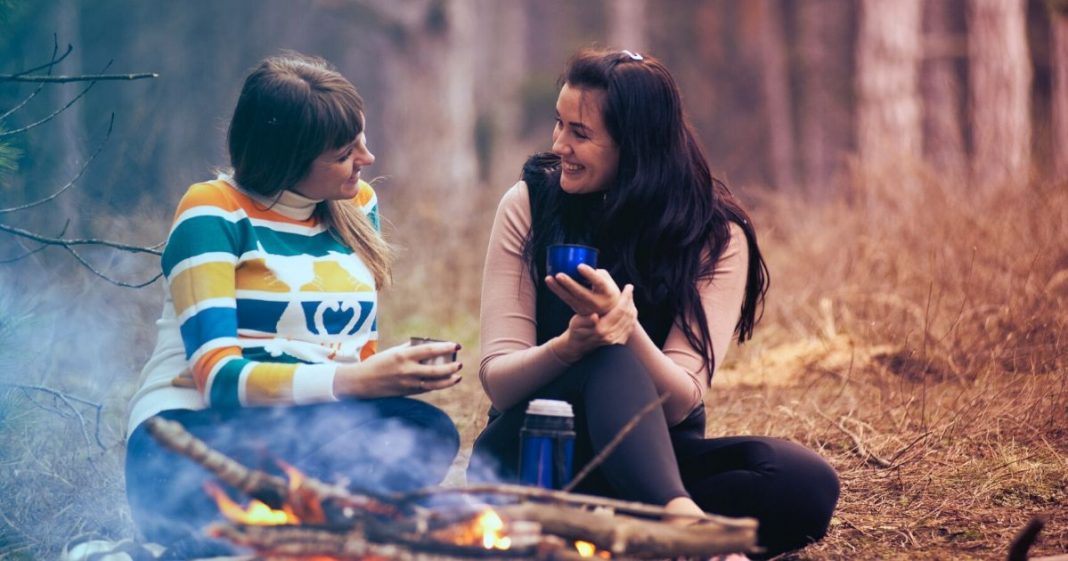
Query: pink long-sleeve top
(513, 365)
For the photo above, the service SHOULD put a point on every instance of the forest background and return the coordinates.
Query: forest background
(905, 162)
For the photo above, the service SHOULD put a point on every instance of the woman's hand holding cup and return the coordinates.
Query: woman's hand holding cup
(587, 332)
(402, 370)
(600, 297)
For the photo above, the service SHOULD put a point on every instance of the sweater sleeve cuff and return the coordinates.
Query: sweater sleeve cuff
(314, 383)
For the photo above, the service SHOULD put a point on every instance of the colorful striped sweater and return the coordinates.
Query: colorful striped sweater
(267, 303)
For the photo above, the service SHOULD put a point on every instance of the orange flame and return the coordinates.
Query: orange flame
(587, 549)
(492, 528)
(256, 513)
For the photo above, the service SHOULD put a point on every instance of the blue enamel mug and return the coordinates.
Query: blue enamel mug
(566, 257)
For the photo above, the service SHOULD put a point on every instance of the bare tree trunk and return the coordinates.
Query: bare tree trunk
(501, 71)
(942, 87)
(626, 24)
(824, 44)
(1059, 23)
(1000, 85)
(431, 113)
(888, 108)
(776, 87)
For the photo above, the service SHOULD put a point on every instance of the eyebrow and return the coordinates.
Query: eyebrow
(577, 124)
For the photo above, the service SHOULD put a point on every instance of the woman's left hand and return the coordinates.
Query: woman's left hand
(599, 298)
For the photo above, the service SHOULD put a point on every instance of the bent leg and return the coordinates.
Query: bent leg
(788, 488)
(607, 388)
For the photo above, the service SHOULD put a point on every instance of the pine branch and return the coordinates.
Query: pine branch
(53, 61)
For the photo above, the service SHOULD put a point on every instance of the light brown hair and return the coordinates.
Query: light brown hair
(292, 108)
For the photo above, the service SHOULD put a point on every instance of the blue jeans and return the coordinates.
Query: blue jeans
(380, 445)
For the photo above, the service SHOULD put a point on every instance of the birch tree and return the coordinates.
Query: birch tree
(888, 109)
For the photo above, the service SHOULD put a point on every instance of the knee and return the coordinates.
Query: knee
(807, 494)
(612, 362)
(433, 421)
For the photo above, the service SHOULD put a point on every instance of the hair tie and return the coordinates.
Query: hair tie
(633, 56)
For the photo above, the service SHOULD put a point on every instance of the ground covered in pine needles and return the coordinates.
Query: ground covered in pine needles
(919, 342)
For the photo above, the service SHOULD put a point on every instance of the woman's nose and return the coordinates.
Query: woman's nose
(366, 158)
(560, 147)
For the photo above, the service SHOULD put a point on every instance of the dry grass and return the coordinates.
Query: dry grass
(923, 332)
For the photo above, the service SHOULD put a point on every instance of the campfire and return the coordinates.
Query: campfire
(301, 517)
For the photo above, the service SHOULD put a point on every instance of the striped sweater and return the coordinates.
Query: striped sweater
(267, 303)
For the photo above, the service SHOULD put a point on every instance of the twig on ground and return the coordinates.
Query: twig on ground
(67, 400)
(523, 491)
(858, 445)
(616, 441)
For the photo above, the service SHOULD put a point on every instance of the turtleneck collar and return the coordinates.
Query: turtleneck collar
(287, 203)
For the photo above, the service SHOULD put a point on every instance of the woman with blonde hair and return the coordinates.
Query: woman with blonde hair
(267, 348)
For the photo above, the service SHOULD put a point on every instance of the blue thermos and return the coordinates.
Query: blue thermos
(547, 444)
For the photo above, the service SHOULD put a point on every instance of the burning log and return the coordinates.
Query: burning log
(634, 537)
(306, 496)
(372, 528)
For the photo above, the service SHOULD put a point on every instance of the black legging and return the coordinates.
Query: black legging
(378, 445)
(789, 489)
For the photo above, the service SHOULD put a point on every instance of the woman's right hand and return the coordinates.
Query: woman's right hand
(585, 333)
(398, 371)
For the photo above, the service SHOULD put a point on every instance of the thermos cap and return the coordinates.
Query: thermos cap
(550, 408)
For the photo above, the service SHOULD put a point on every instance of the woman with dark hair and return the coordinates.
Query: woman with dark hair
(267, 345)
(626, 175)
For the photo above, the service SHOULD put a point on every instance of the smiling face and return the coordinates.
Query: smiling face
(589, 156)
(335, 174)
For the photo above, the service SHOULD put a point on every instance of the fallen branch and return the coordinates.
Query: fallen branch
(624, 536)
(306, 499)
(635, 537)
(858, 445)
(67, 400)
(562, 497)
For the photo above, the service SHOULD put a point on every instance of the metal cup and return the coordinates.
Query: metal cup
(565, 258)
(440, 359)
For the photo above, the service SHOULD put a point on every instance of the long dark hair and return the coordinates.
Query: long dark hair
(665, 222)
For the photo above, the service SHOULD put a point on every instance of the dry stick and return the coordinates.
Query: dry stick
(274, 542)
(77, 176)
(271, 490)
(54, 113)
(616, 441)
(53, 61)
(562, 497)
(636, 537)
(858, 446)
(64, 242)
(66, 399)
(81, 78)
